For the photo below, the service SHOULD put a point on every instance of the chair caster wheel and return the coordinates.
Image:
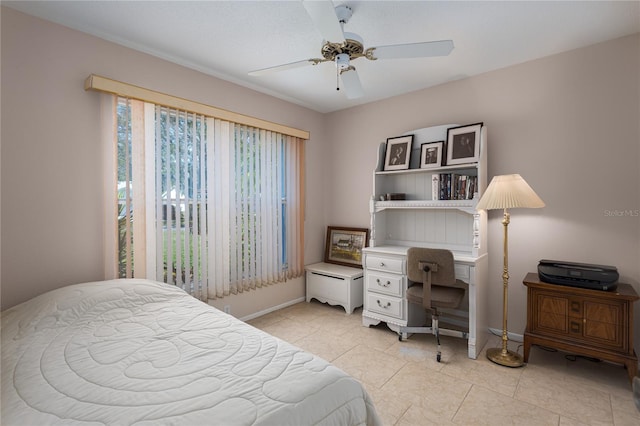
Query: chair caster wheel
(438, 357)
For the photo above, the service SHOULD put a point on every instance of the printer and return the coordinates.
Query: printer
(584, 275)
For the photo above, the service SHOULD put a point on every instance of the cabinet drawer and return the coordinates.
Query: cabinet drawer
(575, 309)
(385, 283)
(384, 305)
(389, 264)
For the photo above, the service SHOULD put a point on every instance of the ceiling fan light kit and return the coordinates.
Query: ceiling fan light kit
(330, 22)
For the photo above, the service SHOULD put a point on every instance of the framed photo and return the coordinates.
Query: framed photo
(431, 155)
(463, 144)
(398, 153)
(344, 245)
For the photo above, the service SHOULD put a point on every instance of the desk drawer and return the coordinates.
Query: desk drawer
(385, 283)
(384, 305)
(389, 264)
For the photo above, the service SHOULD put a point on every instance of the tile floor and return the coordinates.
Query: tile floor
(409, 387)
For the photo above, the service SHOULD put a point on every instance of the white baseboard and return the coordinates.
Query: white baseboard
(511, 336)
(272, 309)
(495, 331)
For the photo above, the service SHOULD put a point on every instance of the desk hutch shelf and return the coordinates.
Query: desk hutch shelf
(421, 221)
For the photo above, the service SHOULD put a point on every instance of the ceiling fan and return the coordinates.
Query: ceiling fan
(347, 47)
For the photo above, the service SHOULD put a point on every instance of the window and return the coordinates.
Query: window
(207, 204)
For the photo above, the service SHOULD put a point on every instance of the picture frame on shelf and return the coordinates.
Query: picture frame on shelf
(463, 144)
(343, 246)
(431, 154)
(398, 152)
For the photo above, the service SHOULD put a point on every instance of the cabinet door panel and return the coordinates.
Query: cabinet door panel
(607, 313)
(553, 323)
(603, 323)
(551, 315)
(602, 331)
(553, 305)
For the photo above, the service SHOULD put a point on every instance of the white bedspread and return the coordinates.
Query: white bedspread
(138, 352)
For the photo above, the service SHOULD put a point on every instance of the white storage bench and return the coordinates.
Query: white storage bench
(335, 285)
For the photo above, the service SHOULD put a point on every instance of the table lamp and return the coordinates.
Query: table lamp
(507, 192)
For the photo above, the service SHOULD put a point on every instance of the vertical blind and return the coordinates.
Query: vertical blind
(209, 205)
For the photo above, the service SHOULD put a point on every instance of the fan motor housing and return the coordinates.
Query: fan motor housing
(352, 46)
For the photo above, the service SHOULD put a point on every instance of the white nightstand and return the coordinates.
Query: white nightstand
(335, 285)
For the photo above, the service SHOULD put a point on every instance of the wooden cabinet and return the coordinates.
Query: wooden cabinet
(420, 221)
(592, 323)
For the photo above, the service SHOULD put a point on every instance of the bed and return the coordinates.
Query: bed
(139, 352)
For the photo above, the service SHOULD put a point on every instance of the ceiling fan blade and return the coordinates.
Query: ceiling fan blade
(413, 50)
(351, 83)
(324, 18)
(283, 67)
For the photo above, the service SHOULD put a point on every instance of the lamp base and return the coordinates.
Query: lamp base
(508, 358)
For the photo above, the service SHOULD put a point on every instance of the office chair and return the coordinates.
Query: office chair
(433, 286)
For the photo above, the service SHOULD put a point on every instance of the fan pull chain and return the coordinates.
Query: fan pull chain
(337, 78)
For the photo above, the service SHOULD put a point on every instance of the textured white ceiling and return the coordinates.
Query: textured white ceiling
(228, 39)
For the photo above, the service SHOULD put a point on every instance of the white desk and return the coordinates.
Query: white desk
(385, 286)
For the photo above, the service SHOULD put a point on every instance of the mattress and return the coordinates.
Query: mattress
(138, 352)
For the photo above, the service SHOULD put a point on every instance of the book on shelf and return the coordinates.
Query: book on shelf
(435, 186)
(461, 187)
(455, 186)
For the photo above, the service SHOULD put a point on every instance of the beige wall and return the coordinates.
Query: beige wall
(569, 124)
(51, 158)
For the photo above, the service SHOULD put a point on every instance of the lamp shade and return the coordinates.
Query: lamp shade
(507, 192)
